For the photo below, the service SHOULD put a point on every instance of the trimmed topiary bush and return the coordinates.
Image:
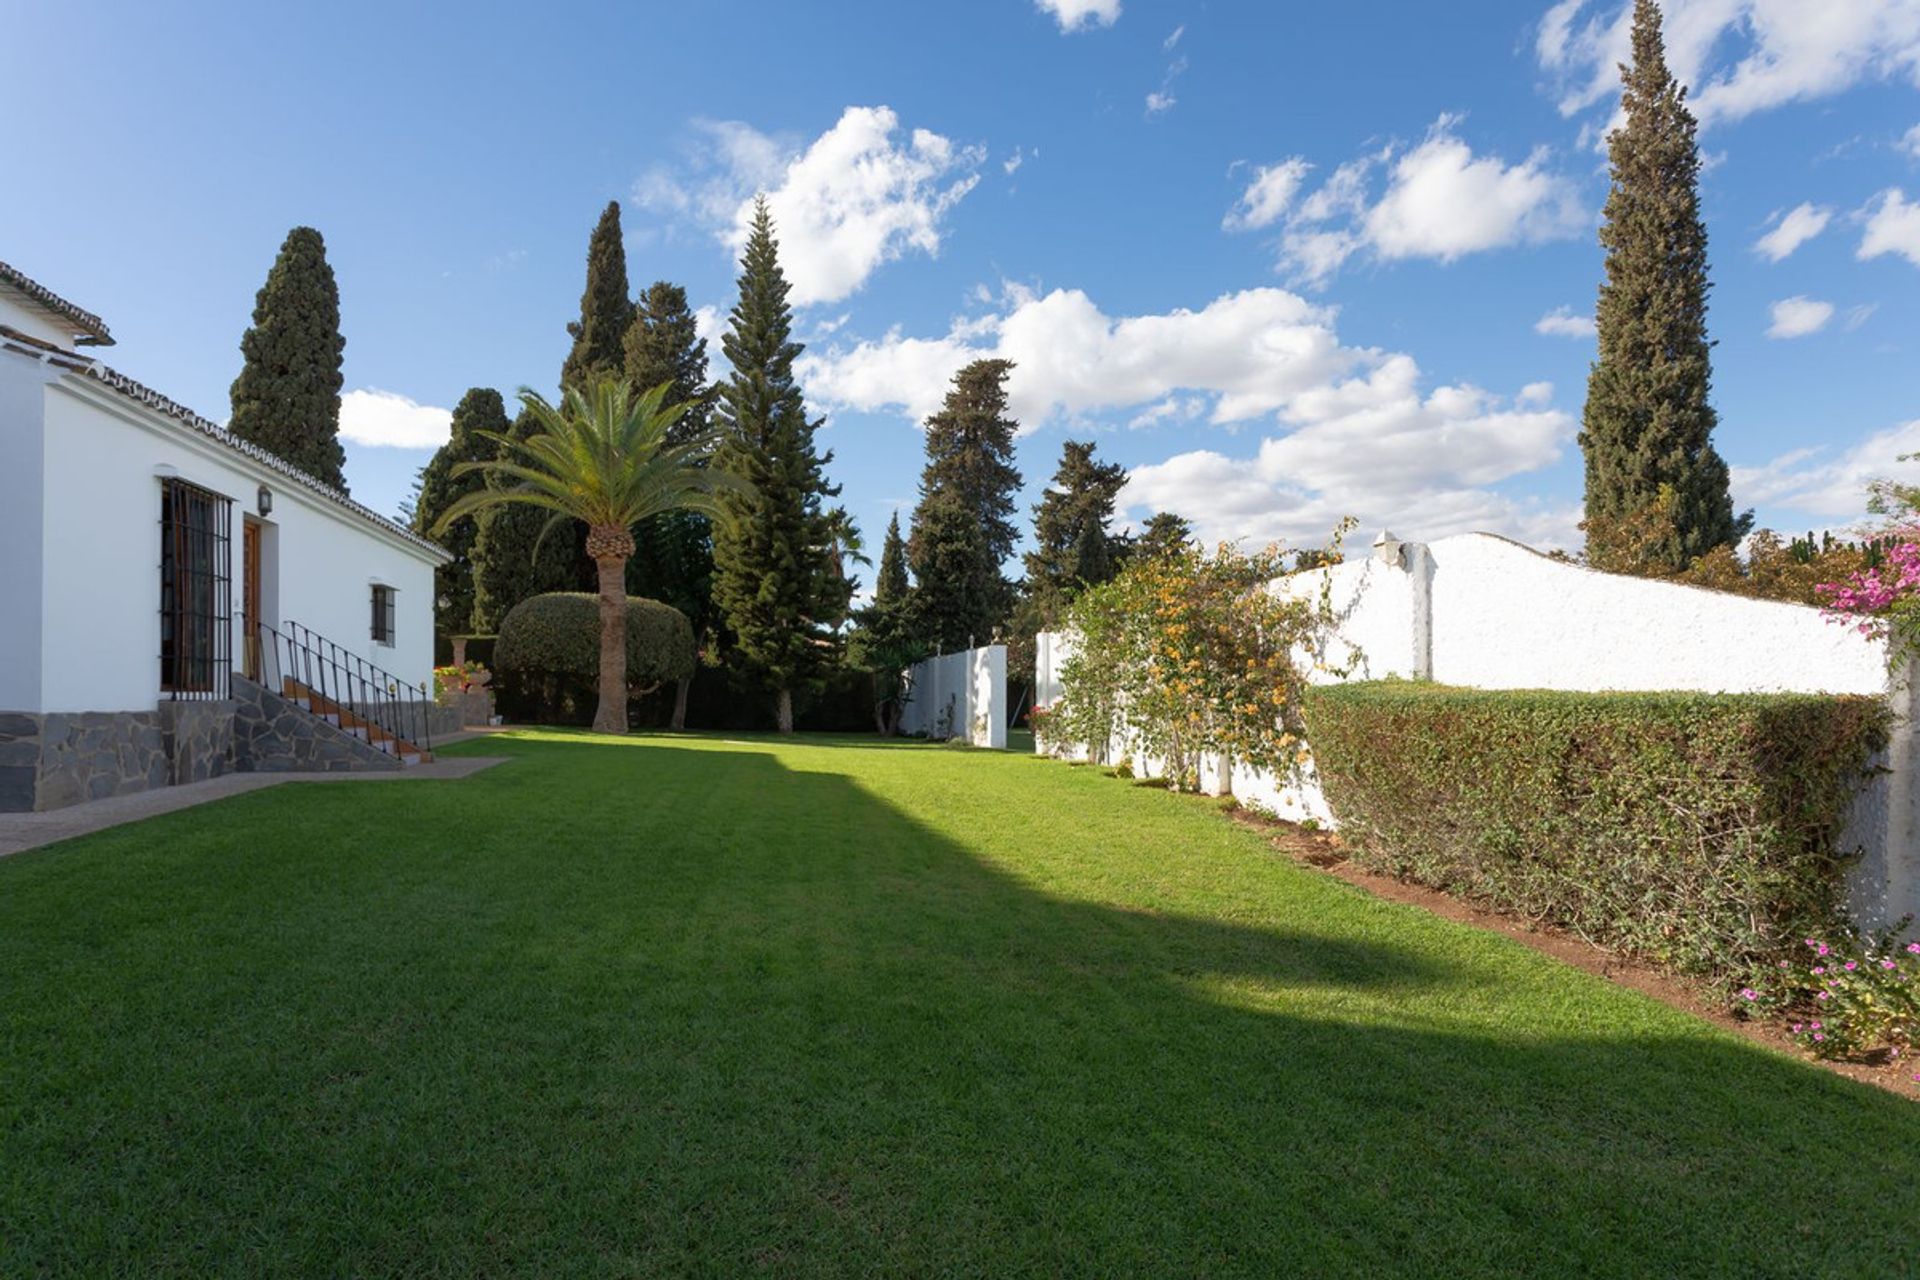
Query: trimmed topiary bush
(547, 656)
(1699, 831)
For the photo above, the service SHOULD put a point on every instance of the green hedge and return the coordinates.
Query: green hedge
(1698, 831)
(558, 634)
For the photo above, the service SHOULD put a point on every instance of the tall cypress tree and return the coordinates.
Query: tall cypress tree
(673, 556)
(884, 639)
(506, 566)
(773, 581)
(963, 527)
(287, 397)
(1648, 425)
(605, 315)
(479, 411)
(605, 309)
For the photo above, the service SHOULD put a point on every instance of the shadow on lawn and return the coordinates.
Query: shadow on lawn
(736, 1016)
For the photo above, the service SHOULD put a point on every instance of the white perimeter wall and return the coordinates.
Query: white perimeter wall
(99, 630)
(1483, 612)
(959, 695)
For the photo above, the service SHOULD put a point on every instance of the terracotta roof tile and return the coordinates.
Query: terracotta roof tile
(90, 329)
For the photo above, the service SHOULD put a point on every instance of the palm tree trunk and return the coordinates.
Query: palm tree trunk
(611, 715)
(783, 711)
(680, 704)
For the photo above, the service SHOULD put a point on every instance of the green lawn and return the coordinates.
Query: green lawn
(703, 1006)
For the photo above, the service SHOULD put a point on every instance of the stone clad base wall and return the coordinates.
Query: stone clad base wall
(54, 759)
(272, 735)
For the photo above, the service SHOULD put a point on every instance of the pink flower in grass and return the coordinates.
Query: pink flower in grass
(1852, 965)
(1819, 969)
(1913, 948)
(1748, 993)
(1818, 1036)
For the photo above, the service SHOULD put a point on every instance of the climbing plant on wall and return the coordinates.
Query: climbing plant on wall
(1199, 655)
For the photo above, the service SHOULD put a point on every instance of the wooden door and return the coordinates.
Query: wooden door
(250, 598)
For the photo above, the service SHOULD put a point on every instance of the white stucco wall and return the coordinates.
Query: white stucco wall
(959, 695)
(99, 547)
(1483, 612)
(17, 313)
(22, 398)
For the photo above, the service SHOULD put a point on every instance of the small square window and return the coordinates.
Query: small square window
(383, 615)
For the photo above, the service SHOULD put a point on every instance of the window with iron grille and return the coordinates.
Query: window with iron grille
(383, 615)
(196, 590)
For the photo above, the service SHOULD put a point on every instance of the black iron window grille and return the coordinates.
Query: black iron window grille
(383, 615)
(196, 591)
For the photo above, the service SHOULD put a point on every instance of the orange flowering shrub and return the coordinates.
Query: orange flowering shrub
(1193, 653)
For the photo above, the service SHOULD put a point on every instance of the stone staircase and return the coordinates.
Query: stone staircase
(353, 724)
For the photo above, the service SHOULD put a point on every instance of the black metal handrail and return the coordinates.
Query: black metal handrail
(343, 678)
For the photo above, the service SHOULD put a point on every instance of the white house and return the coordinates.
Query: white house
(179, 602)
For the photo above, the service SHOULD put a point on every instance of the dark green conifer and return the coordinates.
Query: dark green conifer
(1070, 533)
(885, 639)
(605, 309)
(963, 527)
(1648, 424)
(287, 397)
(1164, 533)
(773, 578)
(480, 411)
(673, 556)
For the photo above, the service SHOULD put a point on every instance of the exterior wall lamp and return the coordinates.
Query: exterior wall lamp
(263, 501)
(1388, 549)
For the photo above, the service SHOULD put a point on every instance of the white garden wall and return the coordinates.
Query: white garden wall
(959, 695)
(1483, 612)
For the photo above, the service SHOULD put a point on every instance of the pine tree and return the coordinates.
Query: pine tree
(773, 581)
(1163, 534)
(674, 559)
(507, 568)
(963, 527)
(287, 397)
(1069, 533)
(479, 412)
(1648, 423)
(605, 311)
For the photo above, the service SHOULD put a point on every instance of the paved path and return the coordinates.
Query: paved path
(21, 831)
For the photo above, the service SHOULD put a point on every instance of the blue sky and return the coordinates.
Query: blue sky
(1286, 262)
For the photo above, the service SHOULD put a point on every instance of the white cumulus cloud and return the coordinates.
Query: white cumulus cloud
(1352, 428)
(856, 197)
(387, 420)
(1800, 224)
(1797, 317)
(1737, 56)
(1080, 15)
(1892, 226)
(1268, 196)
(1435, 200)
(1819, 482)
(1562, 322)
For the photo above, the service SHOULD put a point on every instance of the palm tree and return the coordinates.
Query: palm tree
(601, 457)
